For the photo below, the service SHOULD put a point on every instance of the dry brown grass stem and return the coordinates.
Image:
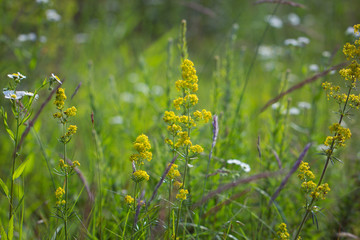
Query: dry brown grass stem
(233, 184)
(161, 180)
(292, 170)
(218, 207)
(290, 3)
(31, 123)
(301, 84)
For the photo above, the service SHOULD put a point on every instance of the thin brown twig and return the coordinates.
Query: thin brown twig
(199, 8)
(301, 84)
(292, 170)
(290, 3)
(234, 184)
(216, 208)
(162, 180)
(31, 123)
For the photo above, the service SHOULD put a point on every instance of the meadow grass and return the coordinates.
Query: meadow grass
(258, 163)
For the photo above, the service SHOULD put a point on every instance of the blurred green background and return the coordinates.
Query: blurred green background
(125, 56)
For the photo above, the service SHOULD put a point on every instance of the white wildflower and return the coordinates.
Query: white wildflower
(244, 166)
(294, 19)
(274, 21)
(11, 94)
(52, 15)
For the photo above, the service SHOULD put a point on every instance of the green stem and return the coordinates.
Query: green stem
(66, 187)
(332, 146)
(169, 219)
(13, 167)
(126, 220)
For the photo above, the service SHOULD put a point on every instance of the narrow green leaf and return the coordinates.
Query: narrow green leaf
(2, 232)
(4, 187)
(11, 228)
(11, 134)
(19, 170)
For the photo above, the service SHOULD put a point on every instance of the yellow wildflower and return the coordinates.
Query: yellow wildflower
(140, 175)
(129, 199)
(60, 98)
(282, 234)
(182, 194)
(70, 112)
(173, 172)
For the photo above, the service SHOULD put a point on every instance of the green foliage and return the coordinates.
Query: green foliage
(125, 58)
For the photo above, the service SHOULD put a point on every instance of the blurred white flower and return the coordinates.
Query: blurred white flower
(268, 52)
(350, 31)
(52, 15)
(142, 87)
(56, 78)
(43, 39)
(117, 120)
(314, 68)
(326, 54)
(244, 166)
(303, 41)
(11, 94)
(300, 42)
(127, 97)
(304, 105)
(332, 72)
(294, 111)
(274, 21)
(27, 37)
(42, 1)
(294, 19)
(275, 106)
(16, 76)
(291, 42)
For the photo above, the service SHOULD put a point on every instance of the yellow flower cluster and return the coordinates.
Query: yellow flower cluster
(180, 126)
(69, 133)
(59, 195)
(129, 199)
(182, 194)
(66, 168)
(341, 134)
(350, 73)
(173, 172)
(317, 192)
(189, 77)
(282, 233)
(305, 172)
(178, 184)
(70, 112)
(320, 191)
(140, 175)
(60, 98)
(142, 146)
(59, 102)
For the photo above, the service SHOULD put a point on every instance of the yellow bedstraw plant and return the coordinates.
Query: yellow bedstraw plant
(66, 168)
(142, 146)
(346, 100)
(180, 126)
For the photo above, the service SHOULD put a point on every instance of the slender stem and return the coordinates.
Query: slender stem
(13, 167)
(66, 187)
(169, 219)
(126, 220)
(185, 170)
(132, 231)
(332, 146)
